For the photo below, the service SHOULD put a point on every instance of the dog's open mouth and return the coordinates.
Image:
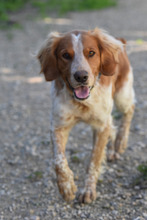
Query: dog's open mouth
(82, 92)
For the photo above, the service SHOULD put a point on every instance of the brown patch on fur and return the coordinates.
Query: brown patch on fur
(122, 71)
(108, 52)
(90, 43)
(121, 39)
(48, 59)
(105, 80)
(65, 46)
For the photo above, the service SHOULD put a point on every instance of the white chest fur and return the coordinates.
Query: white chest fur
(95, 110)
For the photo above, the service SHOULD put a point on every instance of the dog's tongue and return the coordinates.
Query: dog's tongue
(82, 92)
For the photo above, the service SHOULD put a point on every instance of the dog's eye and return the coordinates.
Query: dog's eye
(91, 53)
(66, 56)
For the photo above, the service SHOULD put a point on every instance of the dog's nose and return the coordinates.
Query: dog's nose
(81, 76)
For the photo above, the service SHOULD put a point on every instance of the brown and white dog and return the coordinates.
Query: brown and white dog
(74, 62)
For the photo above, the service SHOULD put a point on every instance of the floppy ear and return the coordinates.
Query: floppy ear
(47, 57)
(109, 52)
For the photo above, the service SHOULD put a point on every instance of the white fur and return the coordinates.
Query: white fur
(99, 105)
(79, 62)
(125, 98)
(113, 40)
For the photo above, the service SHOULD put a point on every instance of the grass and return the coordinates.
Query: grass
(63, 6)
(35, 176)
(75, 159)
(45, 6)
(143, 170)
(7, 6)
(141, 180)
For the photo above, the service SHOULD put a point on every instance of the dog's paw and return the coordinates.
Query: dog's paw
(87, 195)
(67, 189)
(112, 155)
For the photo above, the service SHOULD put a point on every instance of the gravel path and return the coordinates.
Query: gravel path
(28, 188)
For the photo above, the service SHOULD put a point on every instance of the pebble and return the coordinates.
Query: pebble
(114, 212)
(137, 187)
(139, 196)
(83, 215)
(144, 215)
(35, 217)
(141, 144)
(2, 192)
(138, 218)
(106, 206)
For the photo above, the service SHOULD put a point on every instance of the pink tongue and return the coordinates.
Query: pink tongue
(82, 92)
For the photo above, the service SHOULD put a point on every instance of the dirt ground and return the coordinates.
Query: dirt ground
(28, 188)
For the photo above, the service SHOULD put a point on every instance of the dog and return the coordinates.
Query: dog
(89, 71)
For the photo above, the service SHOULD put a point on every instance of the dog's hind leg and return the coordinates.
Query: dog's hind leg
(124, 100)
(111, 143)
(123, 132)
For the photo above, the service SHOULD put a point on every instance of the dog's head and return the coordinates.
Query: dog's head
(78, 57)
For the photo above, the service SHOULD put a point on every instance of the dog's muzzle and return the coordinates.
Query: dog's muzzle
(81, 92)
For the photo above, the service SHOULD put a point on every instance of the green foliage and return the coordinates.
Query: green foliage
(61, 6)
(35, 176)
(75, 159)
(143, 170)
(139, 41)
(141, 180)
(7, 6)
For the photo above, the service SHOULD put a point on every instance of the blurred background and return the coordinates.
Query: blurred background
(28, 187)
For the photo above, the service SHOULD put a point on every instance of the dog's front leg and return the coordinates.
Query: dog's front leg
(88, 194)
(65, 177)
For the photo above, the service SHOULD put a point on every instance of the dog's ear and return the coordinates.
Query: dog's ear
(47, 57)
(110, 48)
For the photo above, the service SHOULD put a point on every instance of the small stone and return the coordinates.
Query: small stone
(10, 209)
(137, 187)
(35, 217)
(141, 144)
(31, 211)
(83, 215)
(138, 218)
(144, 215)
(123, 196)
(2, 192)
(114, 212)
(53, 214)
(79, 212)
(106, 206)
(137, 128)
(138, 196)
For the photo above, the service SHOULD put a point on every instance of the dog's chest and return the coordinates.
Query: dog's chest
(95, 110)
